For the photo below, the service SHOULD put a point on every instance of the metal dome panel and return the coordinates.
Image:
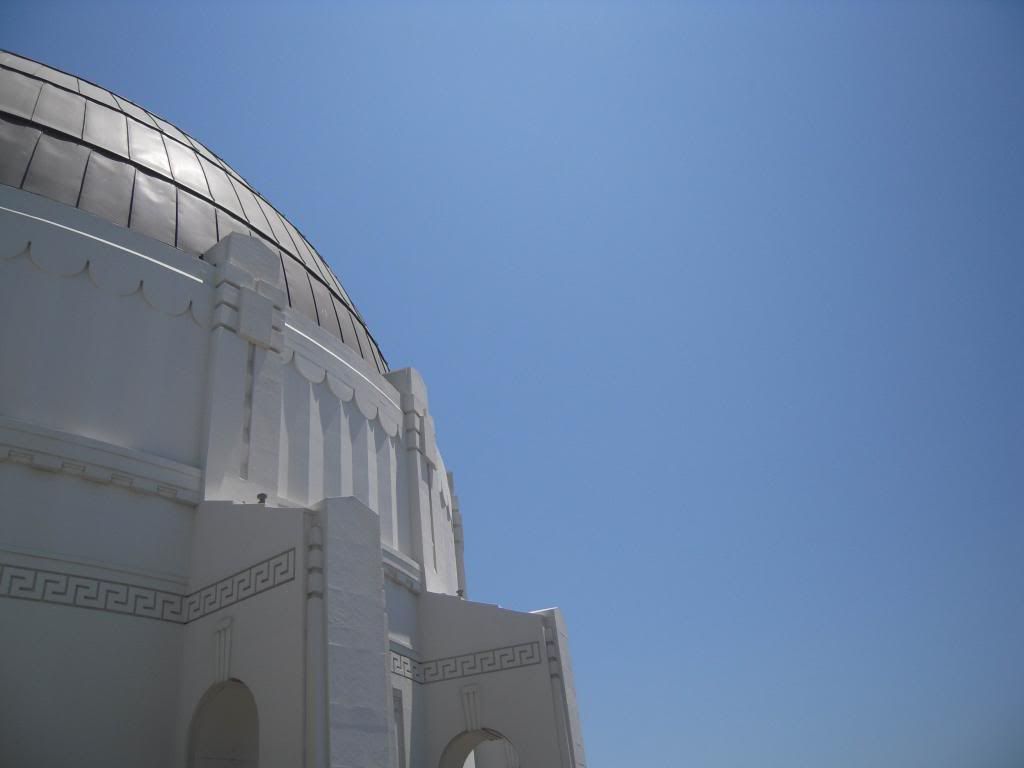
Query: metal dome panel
(74, 142)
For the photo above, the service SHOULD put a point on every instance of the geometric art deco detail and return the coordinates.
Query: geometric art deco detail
(23, 583)
(454, 667)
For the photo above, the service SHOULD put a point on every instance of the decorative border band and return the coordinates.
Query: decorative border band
(51, 450)
(477, 663)
(61, 588)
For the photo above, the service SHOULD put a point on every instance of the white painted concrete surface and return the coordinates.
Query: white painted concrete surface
(148, 401)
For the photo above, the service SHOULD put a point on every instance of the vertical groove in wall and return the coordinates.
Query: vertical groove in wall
(403, 533)
(297, 439)
(373, 434)
(386, 486)
(360, 430)
(430, 504)
(347, 451)
(317, 458)
(398, 714)
(332, 423)
(247, 413)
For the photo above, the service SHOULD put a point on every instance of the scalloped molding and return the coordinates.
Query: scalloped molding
(369, 403)
(165, 292)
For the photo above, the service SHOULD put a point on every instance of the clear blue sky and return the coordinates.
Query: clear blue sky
(721, 307)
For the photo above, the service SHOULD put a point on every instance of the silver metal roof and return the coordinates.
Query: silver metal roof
(71, 141)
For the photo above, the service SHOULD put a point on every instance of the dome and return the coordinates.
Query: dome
(69, 140)
(212, 504)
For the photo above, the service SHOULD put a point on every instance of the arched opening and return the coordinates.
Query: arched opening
(225, 728)
(482, 748)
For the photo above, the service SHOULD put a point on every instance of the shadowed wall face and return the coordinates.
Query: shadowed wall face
(225, 730)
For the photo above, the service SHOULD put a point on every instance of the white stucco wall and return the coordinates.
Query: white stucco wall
(81, 687)
(146, 400)
(266, 630)
(95, 341)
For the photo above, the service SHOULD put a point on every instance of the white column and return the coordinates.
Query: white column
(316, 662)
(358, 677)
(417, 468)
(246, 316)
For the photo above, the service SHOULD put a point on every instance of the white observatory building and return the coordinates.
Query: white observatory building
(227, 535)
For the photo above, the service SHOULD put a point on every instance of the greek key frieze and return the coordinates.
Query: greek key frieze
(255, 579)
(454, 667)
(60, 588)
(404, 666)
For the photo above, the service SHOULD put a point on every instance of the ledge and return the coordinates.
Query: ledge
(401, 569)
(52, 450)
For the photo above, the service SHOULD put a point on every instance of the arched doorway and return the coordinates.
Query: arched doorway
(482, 748)
(225, 728)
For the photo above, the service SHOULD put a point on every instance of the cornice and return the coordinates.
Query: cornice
(51, 450)
(168, 295)
(402, 570)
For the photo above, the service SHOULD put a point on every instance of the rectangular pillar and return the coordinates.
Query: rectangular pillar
(358, 689)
